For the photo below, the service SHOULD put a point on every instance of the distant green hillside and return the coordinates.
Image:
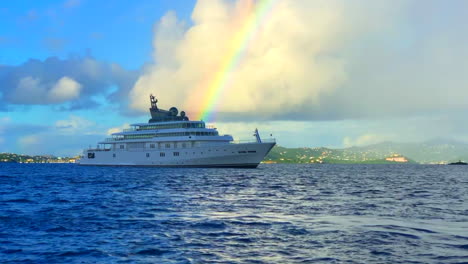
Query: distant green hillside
(435, 151)
(323, 155)
(427, 152)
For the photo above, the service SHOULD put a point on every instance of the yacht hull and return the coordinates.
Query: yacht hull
(246, 155)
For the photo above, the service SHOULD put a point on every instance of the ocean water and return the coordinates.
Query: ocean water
(65, 213)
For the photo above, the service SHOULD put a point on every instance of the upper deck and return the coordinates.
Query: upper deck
(166, 125)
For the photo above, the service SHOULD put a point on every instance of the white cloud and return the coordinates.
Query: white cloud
(64, 90)
(281, 68)
(74, 82)
(313, 60)
(117, 129)
(29, 90)
(32, 90)
(73, 125)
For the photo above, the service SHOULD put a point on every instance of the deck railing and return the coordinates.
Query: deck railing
(266, 140)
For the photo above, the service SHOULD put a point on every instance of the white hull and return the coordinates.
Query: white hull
(247, 155)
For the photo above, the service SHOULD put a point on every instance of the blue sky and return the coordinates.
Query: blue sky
(113, 31)
(318, 73)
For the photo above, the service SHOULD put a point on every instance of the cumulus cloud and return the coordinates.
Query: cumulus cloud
(32, 90)
(74, 124)
(74, 80)
(313, 59)
(112, 130)
(29, 89)
(278, 70)
(65, 89)
(58, 137)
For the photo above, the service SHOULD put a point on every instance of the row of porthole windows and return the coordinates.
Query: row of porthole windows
(176, 154)
(167, 145)
(161, 154)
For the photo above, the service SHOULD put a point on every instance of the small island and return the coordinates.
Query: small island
(458, 163)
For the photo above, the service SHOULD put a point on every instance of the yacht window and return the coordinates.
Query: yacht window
(113, 155)
(151, 145)
(121, 146)
(168, 145)
(147, 155)
(162, 154)
(176, 154)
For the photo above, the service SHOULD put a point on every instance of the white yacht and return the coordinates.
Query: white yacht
(170, 139)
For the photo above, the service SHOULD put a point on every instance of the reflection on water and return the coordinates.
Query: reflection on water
(274, 214)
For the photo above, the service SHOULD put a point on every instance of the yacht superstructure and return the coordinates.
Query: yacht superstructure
(170, 139)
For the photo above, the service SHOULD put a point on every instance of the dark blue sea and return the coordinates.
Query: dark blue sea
(65, 213)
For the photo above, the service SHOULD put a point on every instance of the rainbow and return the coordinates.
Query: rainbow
(216, 84)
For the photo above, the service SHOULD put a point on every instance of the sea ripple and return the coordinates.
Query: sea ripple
(63, 213)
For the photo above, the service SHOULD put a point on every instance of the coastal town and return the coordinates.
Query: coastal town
(338, 156)
(19, 158)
